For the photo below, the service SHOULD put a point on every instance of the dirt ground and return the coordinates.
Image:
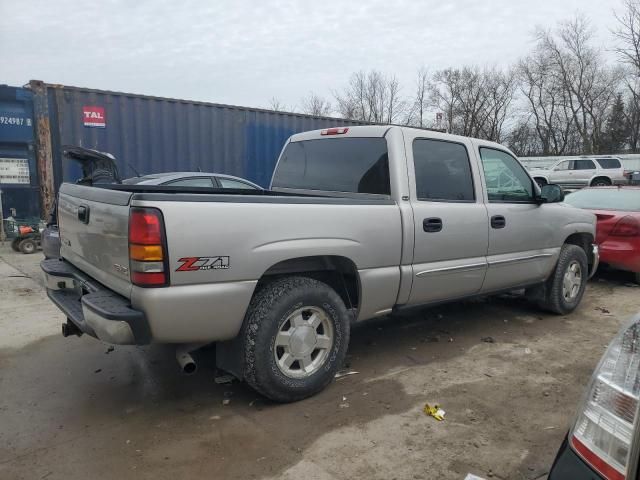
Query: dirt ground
(74, 408)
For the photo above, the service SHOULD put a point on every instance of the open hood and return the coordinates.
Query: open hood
(97, 167)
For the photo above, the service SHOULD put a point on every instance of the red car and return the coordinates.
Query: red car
(618, 227)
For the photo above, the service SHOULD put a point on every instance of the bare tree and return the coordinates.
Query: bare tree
(316, 105)
(371, 97)
(418, 111)
(544, 94)
(628, 49)
(277, 105)
(475, 102)
(589, 86)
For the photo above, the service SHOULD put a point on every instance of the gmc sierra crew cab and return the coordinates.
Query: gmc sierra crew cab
(358, 222)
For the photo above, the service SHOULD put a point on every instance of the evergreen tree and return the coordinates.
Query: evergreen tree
(617, 128)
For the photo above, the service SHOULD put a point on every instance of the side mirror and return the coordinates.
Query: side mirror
(551, 194)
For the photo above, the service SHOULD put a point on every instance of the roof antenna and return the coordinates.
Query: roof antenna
(134, 170)
(199, 169)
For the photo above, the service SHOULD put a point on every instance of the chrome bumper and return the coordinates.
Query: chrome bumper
(595, 255)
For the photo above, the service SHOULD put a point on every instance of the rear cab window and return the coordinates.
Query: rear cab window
(346, 165)
(609, 162)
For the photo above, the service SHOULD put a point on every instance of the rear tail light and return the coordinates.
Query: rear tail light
(626, 227)
(603, 432)
(147, 245)
(334, 131)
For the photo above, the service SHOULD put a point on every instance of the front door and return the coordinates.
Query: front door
(519, 230)
(450, 218)
(562, 173)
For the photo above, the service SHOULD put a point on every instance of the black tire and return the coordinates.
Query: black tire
(27, 246)
(541, 182)
(268, 312)
(601, 182)
(636, 277)
(15, 244)
(555, 300)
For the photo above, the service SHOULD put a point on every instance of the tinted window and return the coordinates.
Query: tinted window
(609, 162)
(584, 165)
(192, 182)
(230, 183)
(506, 179)
(606, 199)
(355, 165)
(442, 171)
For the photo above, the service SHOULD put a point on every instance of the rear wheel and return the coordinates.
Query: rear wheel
(27, 246)
(566, 286)
(600, 182)
(296, 336)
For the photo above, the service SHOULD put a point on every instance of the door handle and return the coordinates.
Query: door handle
(498, 221)
(83, 214)
(432, 224)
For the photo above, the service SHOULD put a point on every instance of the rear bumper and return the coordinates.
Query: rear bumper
(93, 308)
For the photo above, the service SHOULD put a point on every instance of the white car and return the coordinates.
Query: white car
(581, 172)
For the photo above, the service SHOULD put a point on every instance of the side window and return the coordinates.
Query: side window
(192, 182)
(609, 162)
(231, 183)
(507, 181)
(584, 165)
(443, 171)
(566, 165)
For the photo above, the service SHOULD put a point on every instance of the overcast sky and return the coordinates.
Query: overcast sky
(244, 52)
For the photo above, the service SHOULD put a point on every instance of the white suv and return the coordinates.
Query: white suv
(581, 172)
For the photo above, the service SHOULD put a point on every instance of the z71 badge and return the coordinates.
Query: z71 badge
(191, 264)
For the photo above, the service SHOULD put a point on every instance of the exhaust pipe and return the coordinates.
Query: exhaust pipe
(187, 364)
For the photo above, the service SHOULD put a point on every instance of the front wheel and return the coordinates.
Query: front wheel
(15, 244)
(296, 336)
(566, 285)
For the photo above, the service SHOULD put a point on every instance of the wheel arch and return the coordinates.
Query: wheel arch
(337, 271)
(583, 240)
(601, 177)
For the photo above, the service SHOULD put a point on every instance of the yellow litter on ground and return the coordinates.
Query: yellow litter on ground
(435, 412)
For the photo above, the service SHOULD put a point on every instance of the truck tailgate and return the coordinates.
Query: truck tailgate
(94, 225)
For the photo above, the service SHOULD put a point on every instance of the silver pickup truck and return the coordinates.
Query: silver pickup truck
(358, 222)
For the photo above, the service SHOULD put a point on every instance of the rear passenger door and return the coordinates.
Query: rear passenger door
(450, 218)
(583, 171)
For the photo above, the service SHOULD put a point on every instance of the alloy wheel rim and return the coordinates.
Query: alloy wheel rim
(572, 281)
(303, 342)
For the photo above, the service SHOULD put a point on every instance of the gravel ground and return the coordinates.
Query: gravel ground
(508, 376)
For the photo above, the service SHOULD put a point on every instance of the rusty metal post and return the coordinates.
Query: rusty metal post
(44, 154)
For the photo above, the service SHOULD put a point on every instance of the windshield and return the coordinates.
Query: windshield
(353, 165)
(627, 199)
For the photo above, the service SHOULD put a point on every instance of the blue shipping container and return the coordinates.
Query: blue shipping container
(152, 134)
(18, 173)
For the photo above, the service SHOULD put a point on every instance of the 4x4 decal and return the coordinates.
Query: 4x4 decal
(192, 264)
